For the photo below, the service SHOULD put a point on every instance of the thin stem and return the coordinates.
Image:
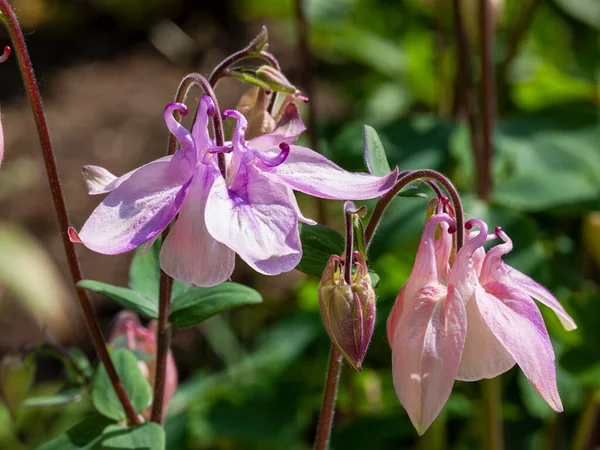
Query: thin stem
(403, 181)
(488, 94)
(329, 395)
(586, 422)
(33, 93)
(349, 209)
(492, 414)
(163, 342)
(184, 87)
(464, 97)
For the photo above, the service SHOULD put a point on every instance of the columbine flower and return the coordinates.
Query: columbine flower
(129, 333)
(251, 211)
(348, 310)
(468, 322)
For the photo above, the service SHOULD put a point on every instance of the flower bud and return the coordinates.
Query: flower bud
(275, 79)
(129, 333)
(348, 310)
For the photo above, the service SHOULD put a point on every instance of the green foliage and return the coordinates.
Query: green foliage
(149, 436)
(136, 386)
(318, 244)
(83, 436)
(127, 298)
(16, 377)
(375, 157)
(198, 304)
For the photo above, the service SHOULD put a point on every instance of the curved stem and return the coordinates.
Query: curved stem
(329, 395)
(587, 420)
(184, 87)
(403, 181)
(12, 25)
(349, 209)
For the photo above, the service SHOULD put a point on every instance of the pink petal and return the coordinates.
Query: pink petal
(424, 270)
(307, 171)
(294, 203)
(288, 129)
(394, 317)
(258, 223)
(136, 211)
(190, 254)
(100, 181)
(206, 109)
(483, 356)
(518, 325)
(494, 269)
(443, 249)
(426, 351)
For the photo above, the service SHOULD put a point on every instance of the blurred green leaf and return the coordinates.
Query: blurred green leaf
(83, 436)
(83, 365)
(136, 386)
(375, 157)
(587, 11)
(61, 398)
(127, 298)
(318, 244)
(149, 436)
(144, 273)
(16, 377)
(568, 387)
(198, 304)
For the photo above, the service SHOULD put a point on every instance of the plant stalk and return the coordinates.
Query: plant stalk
(586, 422)
(488, 95)
(163, 342)
(329, 396)
(12, 25)
(493, 437)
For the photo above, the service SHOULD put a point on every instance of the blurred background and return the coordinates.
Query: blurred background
(252, 378)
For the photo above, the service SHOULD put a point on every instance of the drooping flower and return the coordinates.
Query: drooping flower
(348, 309)
(250, 211)
(129, 333)
(470, 321)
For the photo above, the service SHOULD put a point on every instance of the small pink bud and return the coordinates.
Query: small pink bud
(348, 310)
(129, 333)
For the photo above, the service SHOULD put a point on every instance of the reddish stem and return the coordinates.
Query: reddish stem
(33, 93)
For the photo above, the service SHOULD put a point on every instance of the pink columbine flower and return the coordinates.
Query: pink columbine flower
(470, 321)
(129, 333)
(251, 211)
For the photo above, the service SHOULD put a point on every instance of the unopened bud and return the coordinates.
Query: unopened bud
(348, 310)
(275, 79)
(128, 333)
(253, 105)
(260, 42)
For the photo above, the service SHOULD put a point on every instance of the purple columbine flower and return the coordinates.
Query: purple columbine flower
(251, 211)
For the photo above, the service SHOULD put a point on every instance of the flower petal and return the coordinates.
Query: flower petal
(100, 181)
(495, 269)
(426, 351)
(517, 323)
(483, 356)
(394, 316)
(424, 271)
(258, 222)
(307, 171)
(288, 128)
(190, 254)
(137, 210)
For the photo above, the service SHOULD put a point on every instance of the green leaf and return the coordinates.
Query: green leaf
(61, 398)
(136, 386)
(16, 377)
(125, 297)
(144, 273)
(149, 436)
(83, 436)
(318, 244)
(374, 153)
(198, 304)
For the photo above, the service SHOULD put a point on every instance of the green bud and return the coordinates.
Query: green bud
(348, 310)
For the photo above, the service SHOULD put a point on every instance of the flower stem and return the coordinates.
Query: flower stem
(404, 180)
(163, 342)
(587, 420)
(329, 395)
(488, 95)
(184, 87)
(349, 209)
(12, 25)
(493, 438)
